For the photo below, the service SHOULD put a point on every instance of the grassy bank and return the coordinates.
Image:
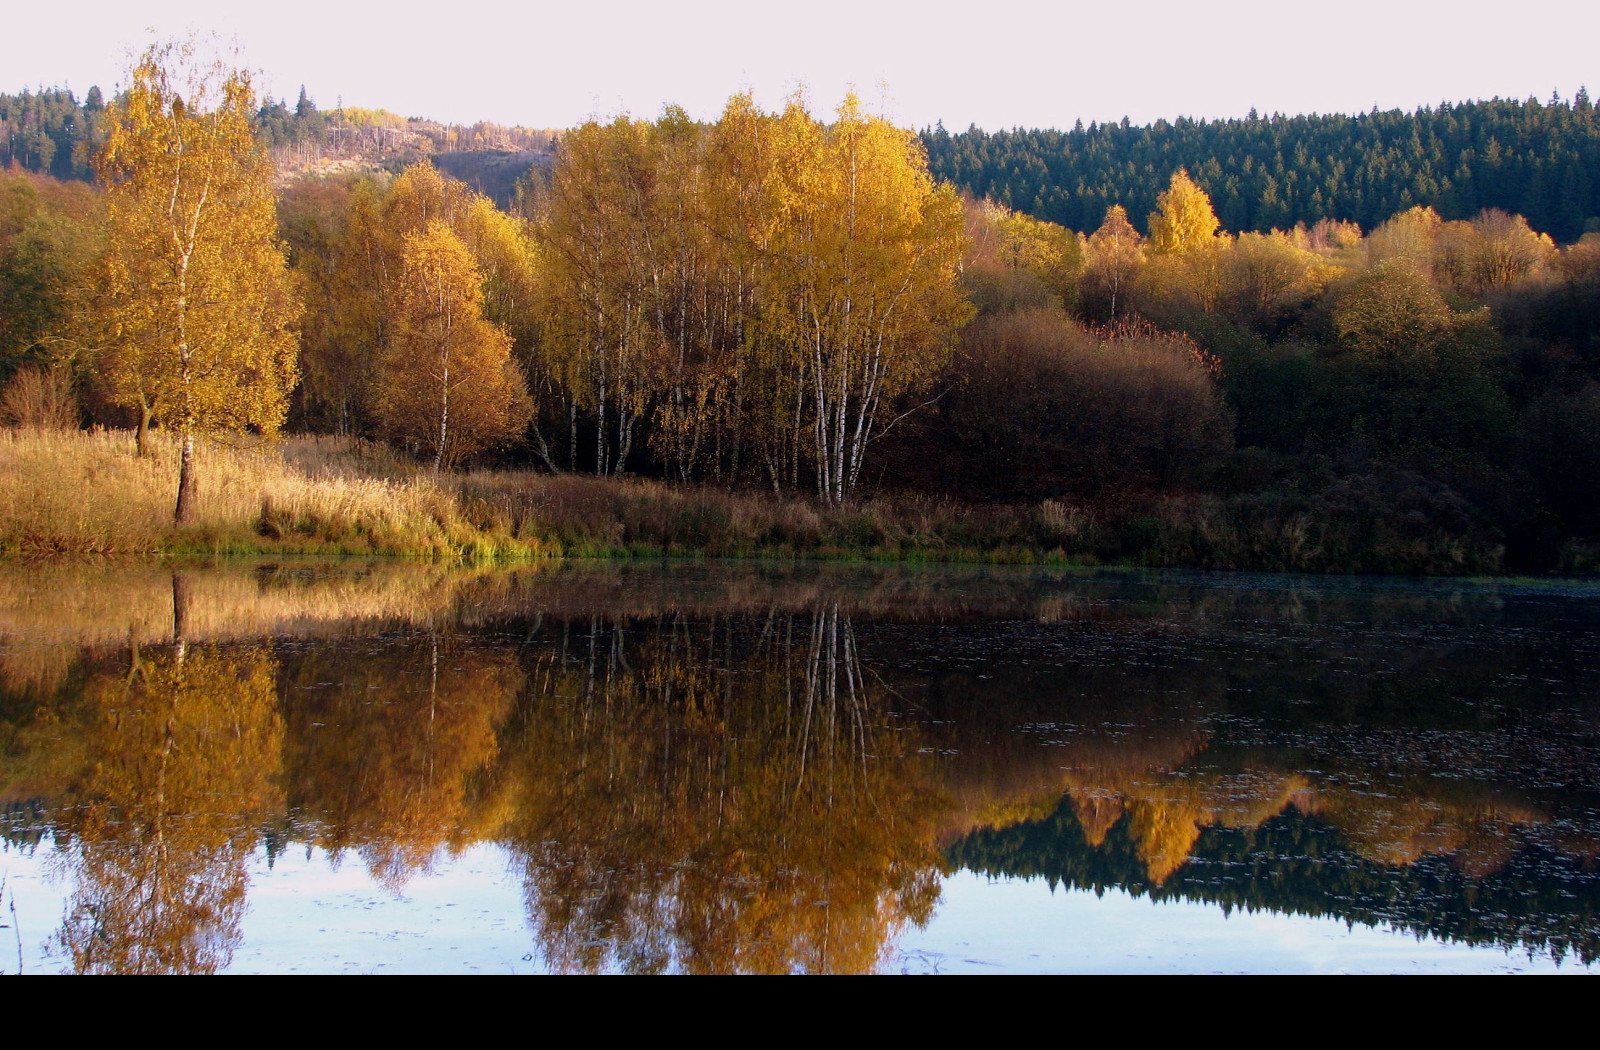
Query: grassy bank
(89, 493)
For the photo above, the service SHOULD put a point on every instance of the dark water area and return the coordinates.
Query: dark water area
(351, 766)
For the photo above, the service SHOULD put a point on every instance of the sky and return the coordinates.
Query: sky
(993, 63)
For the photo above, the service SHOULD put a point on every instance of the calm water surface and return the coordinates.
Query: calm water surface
(708, 768)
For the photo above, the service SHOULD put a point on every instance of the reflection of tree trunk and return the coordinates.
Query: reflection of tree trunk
(180, 612)
(433, 701)
(833, 654)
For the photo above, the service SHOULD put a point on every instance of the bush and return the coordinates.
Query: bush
(1042, 406)
(40, 397)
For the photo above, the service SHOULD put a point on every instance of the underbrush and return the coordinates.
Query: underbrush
(75, 492)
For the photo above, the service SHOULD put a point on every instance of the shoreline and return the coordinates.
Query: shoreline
(293, 560)
(83, 493)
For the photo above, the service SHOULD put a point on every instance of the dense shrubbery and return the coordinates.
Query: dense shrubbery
(1040, 406)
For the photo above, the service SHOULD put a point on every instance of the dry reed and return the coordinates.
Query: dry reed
(74, 492)
(90, 493)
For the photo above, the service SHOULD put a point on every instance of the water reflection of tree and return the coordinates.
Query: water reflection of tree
(716, 797)
(183, 753)
(390, 745)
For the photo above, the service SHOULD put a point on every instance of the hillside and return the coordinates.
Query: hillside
(53, 132)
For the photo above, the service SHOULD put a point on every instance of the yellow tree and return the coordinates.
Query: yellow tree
(1016, 260)
(1266, 272)
(602, 264)
(332, 228)
(862, 289)
(448, 384)
(1409, 237)
(1493, 250)
(1392, 311)
(1113, 254)
(739, 205)
(201, 306)
(353, 276)
(1184, 241)
(1183, 220)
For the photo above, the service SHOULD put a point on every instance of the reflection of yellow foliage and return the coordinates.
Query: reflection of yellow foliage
(1402, 826)
(675, 814)
(1165, 831)
(183, 759)
(387, 747)
(1167, 825)
(1098, 812)
(1167, 811)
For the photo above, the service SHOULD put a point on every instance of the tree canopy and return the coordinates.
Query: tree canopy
(1532, 158)
(200, 308)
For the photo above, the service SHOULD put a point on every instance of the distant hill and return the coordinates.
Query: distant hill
(1538, 159)
(54, 132)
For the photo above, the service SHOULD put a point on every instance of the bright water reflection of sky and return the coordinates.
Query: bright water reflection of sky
(307, 915)
(996, 64)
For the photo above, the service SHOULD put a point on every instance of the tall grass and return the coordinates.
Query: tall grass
(89, 493)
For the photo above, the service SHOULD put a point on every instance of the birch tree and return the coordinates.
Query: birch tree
(200, 305)
(448, 385)
(863, 280)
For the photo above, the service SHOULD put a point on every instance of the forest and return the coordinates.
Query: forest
(1531, 158)
(1365, 343)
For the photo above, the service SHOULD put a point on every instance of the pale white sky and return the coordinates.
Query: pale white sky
(995, 63)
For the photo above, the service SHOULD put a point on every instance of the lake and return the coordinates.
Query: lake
(352, 766)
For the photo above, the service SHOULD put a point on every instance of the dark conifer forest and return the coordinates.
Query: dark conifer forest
(1537, 159)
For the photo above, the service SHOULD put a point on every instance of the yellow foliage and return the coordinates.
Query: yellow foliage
(1392, 310)
(1408, 238)
(200, 307)
(1269, 271)
(1112, 256)
(1183, 221)
(770, 274)
(448, 384)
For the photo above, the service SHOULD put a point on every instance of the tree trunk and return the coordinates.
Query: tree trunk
(184, 514)
(444, 420)
(141, 440)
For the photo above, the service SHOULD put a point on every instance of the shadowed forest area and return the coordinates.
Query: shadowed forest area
(1324, 343)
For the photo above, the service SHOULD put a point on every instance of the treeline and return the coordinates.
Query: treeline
(779, 301)
(51, 132)
(1536, 159)
(744, 301)
(1428, 378)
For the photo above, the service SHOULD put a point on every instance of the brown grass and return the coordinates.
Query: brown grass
(75, 492)
(89, 493)
(40, 397)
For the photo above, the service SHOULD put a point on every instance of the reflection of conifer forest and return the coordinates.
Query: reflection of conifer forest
(722, 771)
